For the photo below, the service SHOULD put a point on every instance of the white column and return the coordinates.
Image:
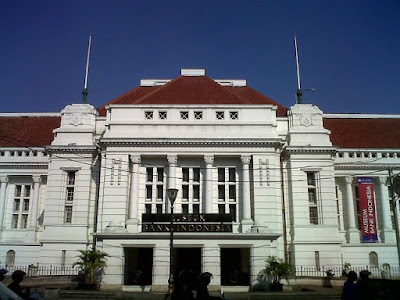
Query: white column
(246, 204)
(134, 218)
(133, 194)
(172, 160)
(208, 200)
(387, 232)
(3, 186)
(352, 232)
(35, 203)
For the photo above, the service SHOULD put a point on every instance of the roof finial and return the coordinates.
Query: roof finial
(85, 90)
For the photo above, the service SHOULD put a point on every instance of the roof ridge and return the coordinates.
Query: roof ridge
(162, 87)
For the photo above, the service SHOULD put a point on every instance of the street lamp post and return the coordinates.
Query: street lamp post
(172, 193)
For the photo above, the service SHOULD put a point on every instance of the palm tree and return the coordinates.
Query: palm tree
(90, 261)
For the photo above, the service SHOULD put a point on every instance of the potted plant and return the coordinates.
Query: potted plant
(91, 261)
(277, 269)
(346, 268)
(385, 271)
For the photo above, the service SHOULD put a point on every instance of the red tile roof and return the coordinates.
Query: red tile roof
(193, 90)
(364, 133)
(27, 131)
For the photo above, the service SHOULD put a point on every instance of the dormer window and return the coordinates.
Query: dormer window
(219, 115)
(233, 115)
(162, 115)
(198, 115)
(184, 115)
(148, 115)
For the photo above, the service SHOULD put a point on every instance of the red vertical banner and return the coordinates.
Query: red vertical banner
(367, 210)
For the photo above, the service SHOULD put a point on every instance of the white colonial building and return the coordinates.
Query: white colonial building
(254, 179)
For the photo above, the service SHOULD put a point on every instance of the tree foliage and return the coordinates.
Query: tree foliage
(277, 269)
(90, 261)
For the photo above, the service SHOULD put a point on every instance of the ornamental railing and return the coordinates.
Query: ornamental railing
(341, 272)
(35, 271)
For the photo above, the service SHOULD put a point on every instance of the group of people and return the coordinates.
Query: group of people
(361, 289)
(186, 283)
(14, 289)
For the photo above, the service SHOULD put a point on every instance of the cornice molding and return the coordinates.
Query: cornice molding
(366, 167)
(24, 166)
(309, 150)
(192, 143)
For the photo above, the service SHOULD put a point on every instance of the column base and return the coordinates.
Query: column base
(246, 225)
(132, 225)
(353, 236)
(388, 235)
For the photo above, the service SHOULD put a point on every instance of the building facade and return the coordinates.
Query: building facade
(254, 179)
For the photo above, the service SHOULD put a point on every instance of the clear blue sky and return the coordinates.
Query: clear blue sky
(349, 50)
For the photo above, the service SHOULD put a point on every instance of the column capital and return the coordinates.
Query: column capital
(209, 159)
(37, 179)
(383, 180)
(245, 159)
(136, 159)
(172, 159)
(348, 179)
(3, 179)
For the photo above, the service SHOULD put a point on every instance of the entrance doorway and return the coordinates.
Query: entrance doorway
(235, 266)
(187, 259)
(138, 266)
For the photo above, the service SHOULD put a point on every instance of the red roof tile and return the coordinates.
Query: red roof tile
(364, 133)
(27, 131)
(193, 90)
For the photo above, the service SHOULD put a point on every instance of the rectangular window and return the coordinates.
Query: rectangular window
(18, 189)
(26, 205)
(221, 174)
(233, 115)
(149, 174)
(159, 192)
(184, 115)
(149, 192)
(68, 214)
(232, 193)
(159, 208)
(24, 221)
(154, 189)
(221, 192)
(162, 115)
(196, 174)
(185, 209)
(185, 192)
(148, 115)
(219, 115)
(317, 262)
(232, 211)
(22, 194)
(196, 192)
(16, 205)
(312, 197)
(185, 174)
(148, 209)
(160, 174)
(15, 221)
(221, 209)
(232, 174)
(198, 115)
(196, 209)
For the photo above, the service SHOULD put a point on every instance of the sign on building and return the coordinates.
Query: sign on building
(367, 210)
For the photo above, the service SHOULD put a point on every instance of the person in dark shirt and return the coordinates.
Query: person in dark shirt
(17, 277)
(364, 286)
(350, 290)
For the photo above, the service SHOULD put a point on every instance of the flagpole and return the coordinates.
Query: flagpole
(85, 90)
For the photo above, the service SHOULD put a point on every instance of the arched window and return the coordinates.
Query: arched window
(373, 260)
(10, 258)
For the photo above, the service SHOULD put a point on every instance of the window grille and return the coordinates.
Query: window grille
(148, 115)
(233, 115)
(162, 115)
(184, 115)
(219, 115)
(198, 115)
